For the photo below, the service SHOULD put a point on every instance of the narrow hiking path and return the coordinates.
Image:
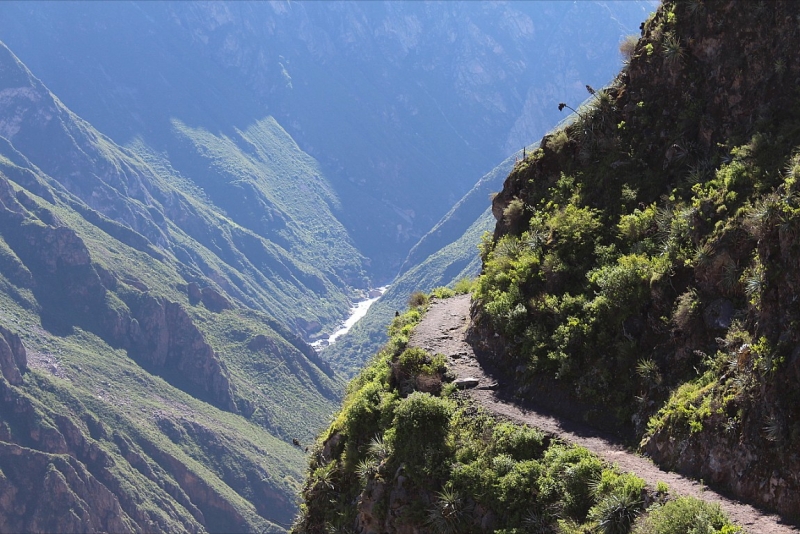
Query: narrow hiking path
(443, 330)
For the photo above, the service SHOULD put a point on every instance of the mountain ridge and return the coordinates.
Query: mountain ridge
(367, 131)
(142, 388)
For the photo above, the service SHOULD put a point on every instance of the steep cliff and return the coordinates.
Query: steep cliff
(641, 275)
(644, 258)
(144, 387)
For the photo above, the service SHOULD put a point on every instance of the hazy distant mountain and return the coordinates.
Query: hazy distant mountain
(403, 104)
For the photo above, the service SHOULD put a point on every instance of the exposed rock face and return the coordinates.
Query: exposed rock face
(163, 337)
(401, 498)
(214, 300)
(41, 492)
(745, 466)
(13, 360)
(404, 498)
(59, 476)
(72, 292)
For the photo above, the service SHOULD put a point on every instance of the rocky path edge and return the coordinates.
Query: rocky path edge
(443, 330)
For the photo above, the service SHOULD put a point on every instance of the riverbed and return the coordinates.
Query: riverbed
(358, 311)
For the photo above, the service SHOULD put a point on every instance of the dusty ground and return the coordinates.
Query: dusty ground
(443, 331)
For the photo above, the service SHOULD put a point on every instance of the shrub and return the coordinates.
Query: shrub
(686, 410)
(463, 286)
(421, 425)
(520, 442)
(417, 299)
(403, 324)
(687, 309)
(571, 470)
(359, 419)
(573, 225)
(612, 482)
(513, 214)
(626, 283)
(628, 46)
(442, 292)
(634, 226)
(416, 361)
(685, 515)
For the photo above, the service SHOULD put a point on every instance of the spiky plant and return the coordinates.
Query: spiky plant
(695, 7)
(754, 281)
(703, 254)
(616, 513)
(774, 429)
(729, 281)
(509, 247)
(540, 522)
(648, 370)
(378, 448)
(366, 469)
(447, 514)
(672, 49)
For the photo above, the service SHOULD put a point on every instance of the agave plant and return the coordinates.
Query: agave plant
(366, 469)
(703, 254)
(774, 430)
(540, 522)
(648, 370)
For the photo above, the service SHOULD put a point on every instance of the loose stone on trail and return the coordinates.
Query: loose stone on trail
(466, 382)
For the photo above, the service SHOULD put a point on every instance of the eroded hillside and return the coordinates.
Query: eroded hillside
(145, 386)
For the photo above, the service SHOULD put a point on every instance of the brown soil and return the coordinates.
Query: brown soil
(443, 330)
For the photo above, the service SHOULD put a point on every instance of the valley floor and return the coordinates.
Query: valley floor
(443, 330)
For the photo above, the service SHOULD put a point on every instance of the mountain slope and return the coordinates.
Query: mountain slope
(403, 104)
(644, 257)
(643, 273)
(445, 255)
(145, 386)
(272, 249)
(410, 452)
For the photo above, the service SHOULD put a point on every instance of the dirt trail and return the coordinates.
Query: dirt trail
(443, 330)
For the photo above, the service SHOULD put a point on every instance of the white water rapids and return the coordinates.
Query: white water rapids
(358, 311)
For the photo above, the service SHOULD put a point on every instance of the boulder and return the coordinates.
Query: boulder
(466, 382)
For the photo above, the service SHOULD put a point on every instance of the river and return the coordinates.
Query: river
(358, 311)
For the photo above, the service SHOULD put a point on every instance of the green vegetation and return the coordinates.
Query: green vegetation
(164, 360)
(685, 515)
(454, 266)
(654, 275)
(403, 454)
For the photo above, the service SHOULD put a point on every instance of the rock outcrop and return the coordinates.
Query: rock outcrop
(13, 360)
(164, 338)
(41, 492)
